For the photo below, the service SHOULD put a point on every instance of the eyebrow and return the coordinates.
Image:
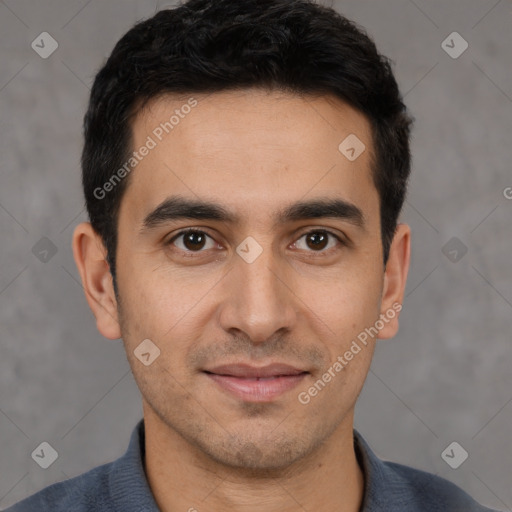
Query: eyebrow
(178, 207)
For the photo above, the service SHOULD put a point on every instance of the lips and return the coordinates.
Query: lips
(256, 384)
(253, 372)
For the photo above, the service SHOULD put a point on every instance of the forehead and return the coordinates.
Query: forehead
(252, 150)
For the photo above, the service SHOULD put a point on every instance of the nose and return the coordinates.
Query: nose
(259, 299)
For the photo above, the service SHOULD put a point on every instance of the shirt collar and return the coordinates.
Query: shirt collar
(129, 487)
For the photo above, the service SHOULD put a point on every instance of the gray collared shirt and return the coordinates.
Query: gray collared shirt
(121, 486)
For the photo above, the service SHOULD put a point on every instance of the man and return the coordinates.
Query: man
(244, 167)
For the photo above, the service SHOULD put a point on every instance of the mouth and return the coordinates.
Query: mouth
(256, 384)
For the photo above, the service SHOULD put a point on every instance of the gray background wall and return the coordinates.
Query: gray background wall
(445, 377)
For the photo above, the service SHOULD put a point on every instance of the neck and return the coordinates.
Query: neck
(183, 478)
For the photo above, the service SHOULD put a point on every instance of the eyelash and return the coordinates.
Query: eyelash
(192, 230)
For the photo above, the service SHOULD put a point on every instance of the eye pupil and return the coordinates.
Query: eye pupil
(191, 242)
(319, 240)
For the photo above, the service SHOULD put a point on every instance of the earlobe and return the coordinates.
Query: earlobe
(395, 278)
(90, 258)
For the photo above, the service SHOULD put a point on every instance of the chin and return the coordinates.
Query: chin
(258, 453)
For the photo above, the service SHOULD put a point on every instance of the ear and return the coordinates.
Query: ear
(395, 277)
(90, 258)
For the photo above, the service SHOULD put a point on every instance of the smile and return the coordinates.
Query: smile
(257, 389)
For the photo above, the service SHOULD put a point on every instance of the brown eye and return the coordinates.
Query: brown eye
(192, 240)
(318, 241)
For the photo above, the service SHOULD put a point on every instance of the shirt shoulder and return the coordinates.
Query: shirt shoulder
(83, 493)
(118, 486)
(393, 486)
(426, 492)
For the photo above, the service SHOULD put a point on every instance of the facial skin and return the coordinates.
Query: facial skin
(254, 153)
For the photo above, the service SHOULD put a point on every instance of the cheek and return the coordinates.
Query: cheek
(348, 303)
(158, 303)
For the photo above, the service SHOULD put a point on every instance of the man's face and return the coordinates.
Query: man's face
(206, 300)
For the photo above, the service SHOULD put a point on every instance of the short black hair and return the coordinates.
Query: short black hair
(208, 46)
